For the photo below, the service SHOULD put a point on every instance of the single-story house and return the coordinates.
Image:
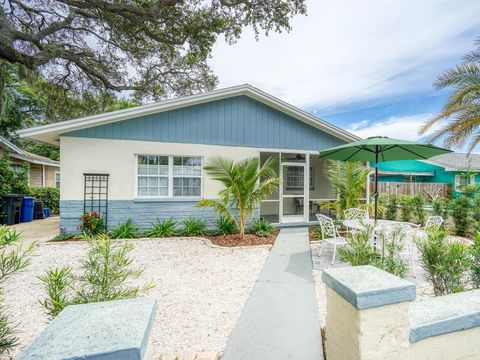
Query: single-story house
(146, 162)
(44, 172)
(456, 169)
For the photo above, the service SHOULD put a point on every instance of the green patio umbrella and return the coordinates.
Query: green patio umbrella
(380, 149)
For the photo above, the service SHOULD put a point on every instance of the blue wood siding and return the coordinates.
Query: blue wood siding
(236, 121)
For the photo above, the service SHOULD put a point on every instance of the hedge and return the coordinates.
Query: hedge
(49, 196)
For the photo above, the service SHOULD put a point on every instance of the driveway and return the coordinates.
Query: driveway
(38, 230)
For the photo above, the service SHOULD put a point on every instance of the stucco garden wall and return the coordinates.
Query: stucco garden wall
(373, 315)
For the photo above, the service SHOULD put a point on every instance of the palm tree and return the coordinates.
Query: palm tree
(349, 179)
(245, 183)
(462, 109)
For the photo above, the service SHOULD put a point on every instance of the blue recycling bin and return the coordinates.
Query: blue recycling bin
(46, 212)
(26, 215)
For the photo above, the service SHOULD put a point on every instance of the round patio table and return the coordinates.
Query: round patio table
(360, 224)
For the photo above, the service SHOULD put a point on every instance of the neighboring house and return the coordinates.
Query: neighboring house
(456, 169)
(44, 172)
(149, 159)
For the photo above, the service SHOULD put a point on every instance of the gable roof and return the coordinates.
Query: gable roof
(16, 152)
(456, 161)
(50, 133)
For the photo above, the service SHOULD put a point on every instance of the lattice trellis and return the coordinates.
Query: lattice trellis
(95, 194)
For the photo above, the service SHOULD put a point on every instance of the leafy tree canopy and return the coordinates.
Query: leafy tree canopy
(154, 48)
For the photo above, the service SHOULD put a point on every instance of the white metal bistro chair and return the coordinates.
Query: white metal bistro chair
(330, 235)
(433, 221)
(355, 214)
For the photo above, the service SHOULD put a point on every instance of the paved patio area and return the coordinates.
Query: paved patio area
(280, 319)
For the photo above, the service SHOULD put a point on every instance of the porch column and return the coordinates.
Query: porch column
(306, 189)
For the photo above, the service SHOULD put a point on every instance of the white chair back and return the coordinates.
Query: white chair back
(328, 227)
(355, 214)
(433, 221)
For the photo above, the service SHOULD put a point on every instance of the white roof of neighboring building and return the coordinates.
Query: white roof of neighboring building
(50, 133)
(456, 161)
(16, 152)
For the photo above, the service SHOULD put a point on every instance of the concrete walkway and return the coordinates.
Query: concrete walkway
(38, 230)
(280, 319)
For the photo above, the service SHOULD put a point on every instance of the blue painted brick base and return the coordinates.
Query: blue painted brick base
(142, 212)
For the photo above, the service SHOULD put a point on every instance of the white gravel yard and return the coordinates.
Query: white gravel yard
(200, 290)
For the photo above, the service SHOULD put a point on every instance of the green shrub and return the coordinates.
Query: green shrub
(389, 258)
(262, 227)
(12, 182)
(475, 256)
(91, 224)
(475, 213)
(446, 264)
(417, 203)
(194, 227)
(392, 207)
(226, 225)
(63, 236)
(406, 208)
(11, 260)
(126, 230)
(460, 210)
(106, 275)
(166, 228)
(361, 251)
(49, 196)
(441, 207)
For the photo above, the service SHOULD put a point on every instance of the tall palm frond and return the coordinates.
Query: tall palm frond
(461, 111)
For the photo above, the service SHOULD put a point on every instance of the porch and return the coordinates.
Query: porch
(303, 185)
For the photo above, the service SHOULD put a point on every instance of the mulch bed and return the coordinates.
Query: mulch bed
(248, 239)
(311, 234)
(220, 240)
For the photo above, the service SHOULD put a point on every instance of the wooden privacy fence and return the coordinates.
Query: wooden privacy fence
(430, 191)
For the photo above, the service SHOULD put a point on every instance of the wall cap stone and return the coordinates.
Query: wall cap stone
(367, 286)
(444, 314)
(106, 330)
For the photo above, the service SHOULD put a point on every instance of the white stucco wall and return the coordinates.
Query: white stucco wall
(459, 345)
(380, 333)
(118, 158)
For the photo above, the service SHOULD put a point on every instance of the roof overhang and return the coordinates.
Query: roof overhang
(404, 173)
(33, 161)
(50, 133)
(445, 167)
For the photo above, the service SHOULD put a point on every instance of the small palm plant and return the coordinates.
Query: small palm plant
(245, 183)
(349, 179)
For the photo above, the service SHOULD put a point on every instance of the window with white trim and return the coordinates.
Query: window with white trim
(57, 179)
(187, 176)
(463, 180)
(295, 178)
(169, 176)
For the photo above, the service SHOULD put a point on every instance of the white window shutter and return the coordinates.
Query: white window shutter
(457, 183)
(472, 180)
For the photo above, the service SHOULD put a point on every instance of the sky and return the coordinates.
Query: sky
(366, 66)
